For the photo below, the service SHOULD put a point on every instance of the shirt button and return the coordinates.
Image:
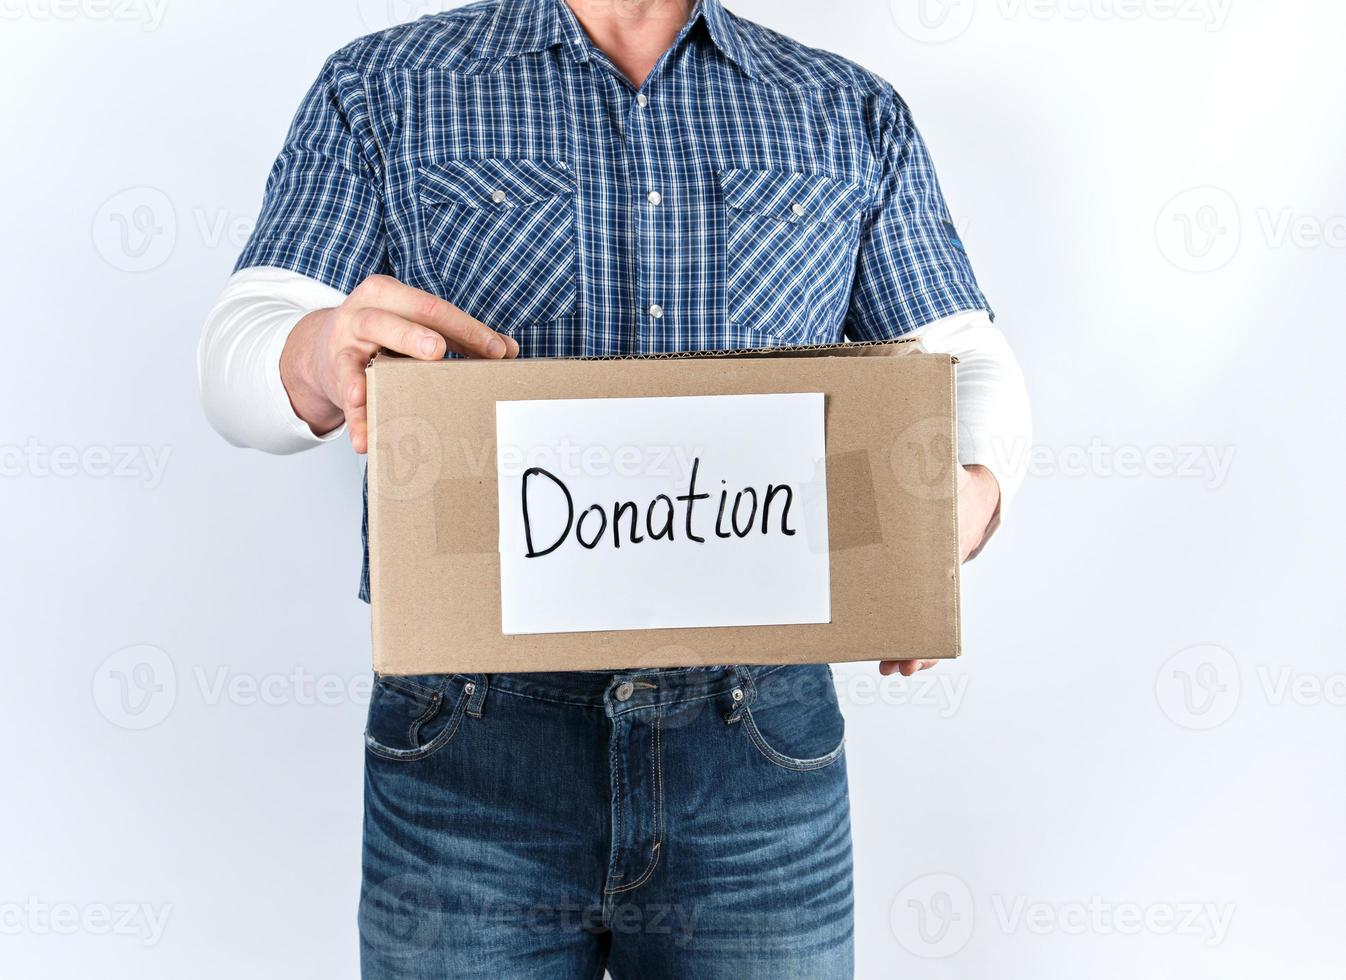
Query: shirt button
(641, 100)
(797, 209)
(656, 310)
(498, 197)
(624, 691)
(654, 197)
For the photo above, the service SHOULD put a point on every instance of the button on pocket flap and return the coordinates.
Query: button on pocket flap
(500, 236)
(791, 196)
(493, 183)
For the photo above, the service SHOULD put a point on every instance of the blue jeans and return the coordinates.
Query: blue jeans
(654, 823)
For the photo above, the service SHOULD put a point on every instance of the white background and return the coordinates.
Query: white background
(1059, 762)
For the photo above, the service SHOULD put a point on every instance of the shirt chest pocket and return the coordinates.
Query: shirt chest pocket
(790, 249)
(500, 235)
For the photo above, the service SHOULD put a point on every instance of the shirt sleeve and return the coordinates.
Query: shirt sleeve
(238, 361)
(995, 420)
(322, 216)
(912, 268)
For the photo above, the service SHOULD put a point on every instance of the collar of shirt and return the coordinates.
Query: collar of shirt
(522, 26)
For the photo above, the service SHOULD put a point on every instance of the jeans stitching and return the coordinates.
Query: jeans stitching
(496, 689)
(407, 686)
(424, 751)
(785, 761)
(426, 715)
(668, 704)
(657, 849)
(616, 762)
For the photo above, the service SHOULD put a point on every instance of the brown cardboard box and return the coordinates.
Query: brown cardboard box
(890, 492)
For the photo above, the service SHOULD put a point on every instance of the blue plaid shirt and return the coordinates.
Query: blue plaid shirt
(752, 192)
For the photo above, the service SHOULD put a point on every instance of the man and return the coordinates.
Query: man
(546, 178)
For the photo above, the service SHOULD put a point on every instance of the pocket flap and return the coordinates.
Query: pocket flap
(481, 183)
(791, 196)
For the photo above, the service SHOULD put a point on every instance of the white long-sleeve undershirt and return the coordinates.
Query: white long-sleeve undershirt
(238, 365)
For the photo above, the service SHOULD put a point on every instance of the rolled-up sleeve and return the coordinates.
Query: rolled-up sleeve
(322, 216)
(912, 267)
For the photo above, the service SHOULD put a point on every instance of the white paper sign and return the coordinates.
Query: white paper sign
(646, 513)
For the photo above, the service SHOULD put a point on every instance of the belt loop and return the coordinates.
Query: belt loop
(743, 693)
(480, 684)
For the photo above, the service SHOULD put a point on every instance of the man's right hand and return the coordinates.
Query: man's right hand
(323, 363)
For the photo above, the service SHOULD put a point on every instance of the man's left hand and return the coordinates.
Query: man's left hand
(978, 501)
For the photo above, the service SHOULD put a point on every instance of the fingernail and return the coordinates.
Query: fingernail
(496, 347)
(428, 346)
(354, 392)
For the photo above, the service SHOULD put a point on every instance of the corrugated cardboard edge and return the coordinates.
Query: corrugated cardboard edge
(899, 346)
(953, 502)
(371, 500)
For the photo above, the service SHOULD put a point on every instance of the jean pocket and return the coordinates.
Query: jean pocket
(791, 241)
(501, 237)
(793, 717)
(411, 718)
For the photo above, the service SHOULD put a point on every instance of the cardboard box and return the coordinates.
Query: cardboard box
(891, 516)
